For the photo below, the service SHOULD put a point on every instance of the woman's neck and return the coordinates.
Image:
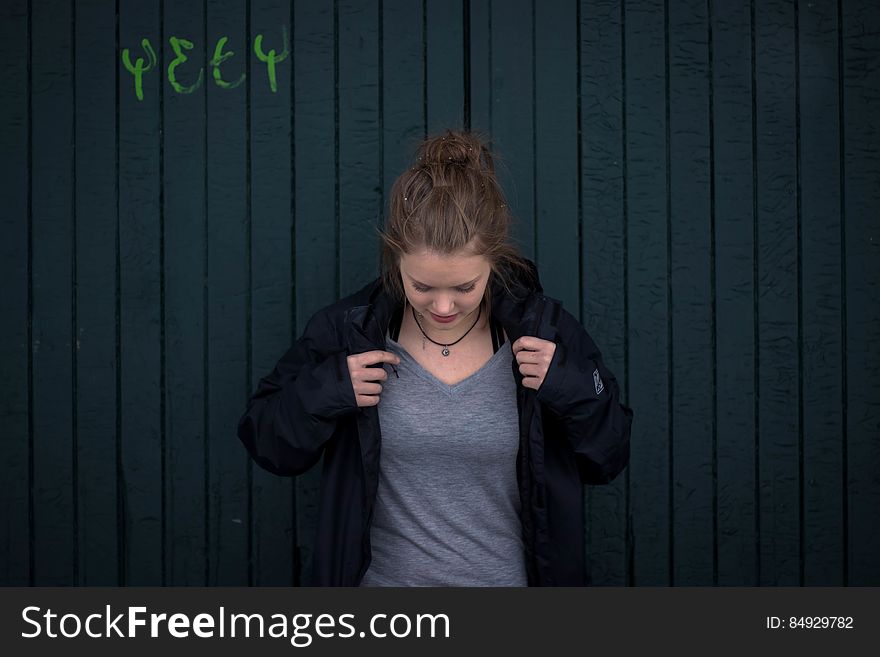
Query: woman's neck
(408, 325)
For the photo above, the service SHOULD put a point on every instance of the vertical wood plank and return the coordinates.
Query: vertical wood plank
(691, 234)
(777, 311)
(54, 441)
(316, 273)
(512, 118)
(603, 252)
(360, 193)
(271, 140)
(647, 275)
(445, 65)
(184, 168)
(403, 78)
(95, 138)
(820, 188)
(15, 271)
(556, 152)
(861, 174)
(140, 331)
(229, 241)
(735, 292)
(480, 71)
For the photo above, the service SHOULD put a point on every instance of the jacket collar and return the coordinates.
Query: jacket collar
(518, 310)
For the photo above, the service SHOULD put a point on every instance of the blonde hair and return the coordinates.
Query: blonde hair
(449, 200)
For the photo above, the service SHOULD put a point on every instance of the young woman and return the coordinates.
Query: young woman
(458, 409)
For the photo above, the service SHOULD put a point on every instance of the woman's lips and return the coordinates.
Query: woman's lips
(443, 320)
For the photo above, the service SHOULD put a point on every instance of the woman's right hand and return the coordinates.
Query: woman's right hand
(364, 374)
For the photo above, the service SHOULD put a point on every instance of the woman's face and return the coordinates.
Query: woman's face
(445, 286)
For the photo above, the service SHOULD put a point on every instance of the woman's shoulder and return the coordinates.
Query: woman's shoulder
(333, 314)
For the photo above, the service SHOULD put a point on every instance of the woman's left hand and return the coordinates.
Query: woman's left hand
(534, 356)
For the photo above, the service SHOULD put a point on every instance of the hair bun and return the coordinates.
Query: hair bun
(455, 148)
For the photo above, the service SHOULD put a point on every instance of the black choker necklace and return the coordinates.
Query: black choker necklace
(445, 351)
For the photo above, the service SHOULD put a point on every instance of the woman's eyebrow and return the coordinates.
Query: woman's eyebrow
(461, 285)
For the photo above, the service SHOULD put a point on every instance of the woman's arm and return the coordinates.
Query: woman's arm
(585, 397)
(294, 410)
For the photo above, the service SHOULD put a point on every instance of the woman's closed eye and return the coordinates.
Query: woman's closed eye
(459, 289)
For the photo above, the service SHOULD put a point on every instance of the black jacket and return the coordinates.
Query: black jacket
(573, 430)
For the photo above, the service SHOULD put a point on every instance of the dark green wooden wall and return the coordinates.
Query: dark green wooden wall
(698, 180)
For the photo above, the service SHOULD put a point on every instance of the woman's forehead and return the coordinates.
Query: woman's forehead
(438, 269)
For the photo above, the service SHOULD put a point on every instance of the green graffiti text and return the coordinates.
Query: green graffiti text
(176, 45)
(139, 69)
(182, 49)
(218, 58)
(272, 58)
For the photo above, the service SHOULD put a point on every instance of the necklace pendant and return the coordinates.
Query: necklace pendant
(445, 351)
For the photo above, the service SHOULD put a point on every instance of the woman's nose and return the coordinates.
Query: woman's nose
(443, 307)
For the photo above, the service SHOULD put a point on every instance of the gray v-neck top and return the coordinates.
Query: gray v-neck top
(447, 508)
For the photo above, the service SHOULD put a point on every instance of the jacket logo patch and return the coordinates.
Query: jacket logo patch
(597, 382)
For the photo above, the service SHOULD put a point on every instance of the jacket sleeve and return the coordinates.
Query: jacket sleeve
(295, 408)
(585, 397)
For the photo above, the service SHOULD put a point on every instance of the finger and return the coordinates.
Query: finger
(542, 356)
(368, 400)
(526, 356)
(530, 369)
(365, 388)
(531, 345)
(375, 357)
(371, 374)
(527, 342)
(530, 382)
